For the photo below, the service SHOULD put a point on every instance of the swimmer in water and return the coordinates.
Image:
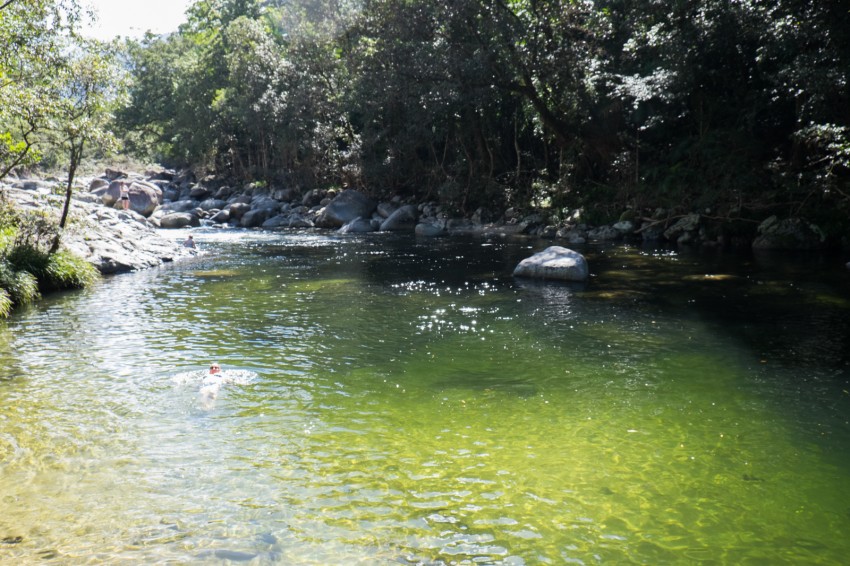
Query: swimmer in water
(211, 385)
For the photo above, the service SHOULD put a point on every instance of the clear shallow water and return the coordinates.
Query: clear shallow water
(411, 403)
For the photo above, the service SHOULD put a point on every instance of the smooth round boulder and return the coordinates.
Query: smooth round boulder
(238, 210)
(403, 219)
(347, 206)
(556, 263)
(254, 218)
(212, 203)
(178, 220)
(429, 230)
(144, 198)
(358, 225)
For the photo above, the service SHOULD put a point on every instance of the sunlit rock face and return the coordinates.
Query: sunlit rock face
(555, 262)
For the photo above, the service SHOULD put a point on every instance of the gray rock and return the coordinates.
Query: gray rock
(170, 194)
(624, 227)
(298, 220)
(689, 223)
(358, 225)
(788, 234)
(179, 220)
(281, 220)
(604, 233)
(144, 197)
(199, 192)
(152, 186)
(97, 184)
(402, 219)
(385, 209)
(255, 217)
(461, 226)
(113, 174)
(555, 262)
(265, 202)
(238, 210)
(212, 203)
(573, 236)
(221, 217)
(346, 207)
(651, 232)
(313, 198)
(429, 229)
(284, 195)
(178, 206)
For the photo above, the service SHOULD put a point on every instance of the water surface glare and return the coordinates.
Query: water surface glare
(409, 402)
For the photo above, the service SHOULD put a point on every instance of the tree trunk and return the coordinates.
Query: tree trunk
(76, 156)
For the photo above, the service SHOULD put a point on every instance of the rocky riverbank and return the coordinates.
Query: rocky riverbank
(171, 199)
(115, 240)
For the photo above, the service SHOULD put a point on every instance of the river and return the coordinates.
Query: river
(409, 402)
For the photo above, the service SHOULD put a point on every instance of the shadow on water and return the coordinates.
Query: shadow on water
(793, 308)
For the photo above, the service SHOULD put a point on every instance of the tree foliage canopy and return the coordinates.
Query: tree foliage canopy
(741, 108)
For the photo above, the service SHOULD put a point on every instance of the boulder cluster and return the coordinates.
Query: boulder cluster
(177, 200)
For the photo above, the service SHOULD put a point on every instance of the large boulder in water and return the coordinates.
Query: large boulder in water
(346, 207)
(403, 219)
(555, 262)
(358, 225)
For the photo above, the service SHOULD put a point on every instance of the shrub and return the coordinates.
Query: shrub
(5, 303)
(28, 257)
(20, 287)
(54, 272)
(68, 271)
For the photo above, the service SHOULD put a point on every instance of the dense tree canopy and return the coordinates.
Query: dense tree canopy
(739, 108)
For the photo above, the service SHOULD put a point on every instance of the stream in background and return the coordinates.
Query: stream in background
(409, 402)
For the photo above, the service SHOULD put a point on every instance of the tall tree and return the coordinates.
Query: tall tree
(86, 90)
(31, 38)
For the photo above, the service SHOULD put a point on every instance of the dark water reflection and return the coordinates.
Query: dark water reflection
(413, 403)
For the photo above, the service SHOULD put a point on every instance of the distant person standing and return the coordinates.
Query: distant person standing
(189, 242)
(125, 196)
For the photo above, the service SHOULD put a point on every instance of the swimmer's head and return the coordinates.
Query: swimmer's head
(215, 368)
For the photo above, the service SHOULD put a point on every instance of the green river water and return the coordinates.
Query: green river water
(409, 402)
